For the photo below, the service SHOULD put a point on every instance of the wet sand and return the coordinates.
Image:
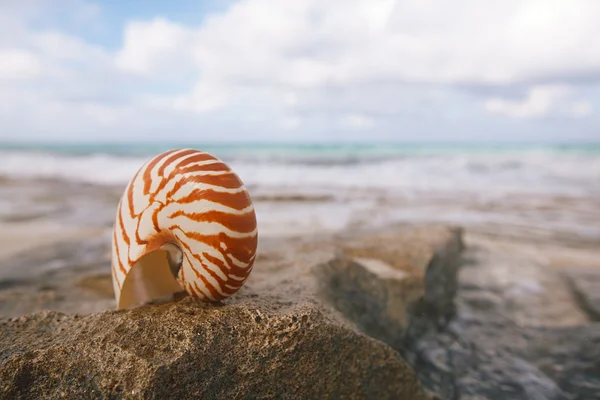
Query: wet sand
(22, 237)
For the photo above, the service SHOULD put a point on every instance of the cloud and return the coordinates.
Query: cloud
(308, 43)
(18, 64)
(291, 123)
(356, 121)
(581, 108)
(539, 102)
(299, 67)
(308, 46)
(154, 47)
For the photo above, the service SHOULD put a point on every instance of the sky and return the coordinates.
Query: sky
(302, 70)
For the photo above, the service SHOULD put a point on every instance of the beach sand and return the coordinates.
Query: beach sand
(27, 236)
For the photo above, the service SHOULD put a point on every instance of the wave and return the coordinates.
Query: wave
(492, 172)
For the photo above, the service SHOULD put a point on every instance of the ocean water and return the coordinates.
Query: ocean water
(367, 184)
(568, 170)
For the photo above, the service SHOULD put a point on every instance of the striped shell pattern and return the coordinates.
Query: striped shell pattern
(185, 222)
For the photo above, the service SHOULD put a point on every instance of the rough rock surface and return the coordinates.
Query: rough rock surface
(471, 359)
(518, 333)
(571, 358)
(254, 348)
(279, 337)
(392, 285)
(362, 315)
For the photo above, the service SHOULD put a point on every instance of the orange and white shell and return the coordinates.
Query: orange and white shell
(185, 222)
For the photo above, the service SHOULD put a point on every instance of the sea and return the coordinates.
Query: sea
(544, 185)
(558, 169)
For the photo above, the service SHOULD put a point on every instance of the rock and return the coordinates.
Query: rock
(349, 317)
(499, 282)
(482, 301)
(253, 347)
(431, 252)
(378, 301)
(571, 357)
(397, 287)
(585, 284)
(509, 337)
(394, 282)
(282, 335)
(475, 360)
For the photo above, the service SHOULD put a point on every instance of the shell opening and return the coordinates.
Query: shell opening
(153, 277)
(174, 258)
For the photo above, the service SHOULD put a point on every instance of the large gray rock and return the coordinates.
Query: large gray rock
(517, 334)
(571, 358)
(473, 359)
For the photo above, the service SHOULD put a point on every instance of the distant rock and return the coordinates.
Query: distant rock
(393, 282)
(571, 358)
(517, 334)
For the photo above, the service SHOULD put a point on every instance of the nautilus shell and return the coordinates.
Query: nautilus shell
(184, 223)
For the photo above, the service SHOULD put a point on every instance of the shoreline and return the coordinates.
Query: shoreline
(39, 211)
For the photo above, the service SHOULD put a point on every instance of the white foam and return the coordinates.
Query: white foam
(479, 174)
(95, 168)
(483, 175)
(520, 191)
